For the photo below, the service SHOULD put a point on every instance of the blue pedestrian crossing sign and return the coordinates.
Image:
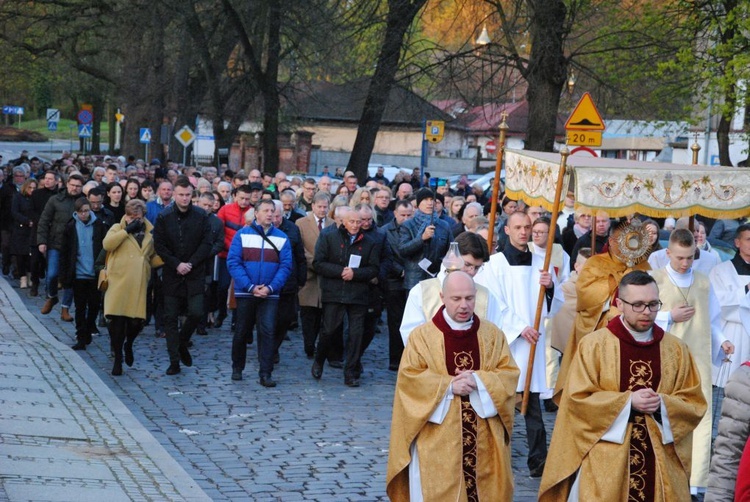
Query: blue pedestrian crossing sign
(145, 135)
(51, 126)
(84, 130)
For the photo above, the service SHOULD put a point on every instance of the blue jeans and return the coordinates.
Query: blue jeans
(53, 272)
(261, 313)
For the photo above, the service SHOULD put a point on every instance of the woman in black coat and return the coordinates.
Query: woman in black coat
(23, 222)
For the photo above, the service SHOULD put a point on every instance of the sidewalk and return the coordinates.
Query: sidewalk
(64, 435)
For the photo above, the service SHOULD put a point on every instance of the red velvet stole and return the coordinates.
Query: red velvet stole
(462, 353)
(640, 368)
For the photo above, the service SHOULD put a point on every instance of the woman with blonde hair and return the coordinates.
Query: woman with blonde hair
(361, 196)
(130, 249)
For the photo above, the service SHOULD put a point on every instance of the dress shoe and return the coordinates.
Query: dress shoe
(537, 472)
(173, 369)
(352, 382)
(161, 334)
(34, 290)
(236, 375)
(317, 370)
(117, 369)
(128, 348)
(549, 405)
(201, 332)
(65, 315)
(185, 357)
(219, 320)
(79, 346)
(267, 382)
(48, 304)
(336, 364)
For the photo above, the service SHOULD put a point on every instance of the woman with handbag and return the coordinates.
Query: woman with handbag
(131, 256)
(82, 243)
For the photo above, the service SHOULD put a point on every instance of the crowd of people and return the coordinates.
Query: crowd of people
(631, 349)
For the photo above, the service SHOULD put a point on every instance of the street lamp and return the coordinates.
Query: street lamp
(483, 38)
(571, 83)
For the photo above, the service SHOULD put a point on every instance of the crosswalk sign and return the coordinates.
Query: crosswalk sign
(84, 130)
(145, 135)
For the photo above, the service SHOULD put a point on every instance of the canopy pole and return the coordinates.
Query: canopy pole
(547, 257)
(695, 148)
(496, 182)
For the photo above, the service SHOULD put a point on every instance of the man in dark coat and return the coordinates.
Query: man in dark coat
(182, 238)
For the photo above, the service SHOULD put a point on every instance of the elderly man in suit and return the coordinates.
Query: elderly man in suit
(311, 308)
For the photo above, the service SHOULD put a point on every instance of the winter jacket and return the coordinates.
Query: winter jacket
(253, 261)
(333, 253)
(734, 428)
(233, 218)
(298, 275)
(395, 264)
(69, 250)
(20, 243)
(413, 250)
(57, 213)
(183, 238)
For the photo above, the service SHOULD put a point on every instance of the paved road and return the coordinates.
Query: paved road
(303, 440)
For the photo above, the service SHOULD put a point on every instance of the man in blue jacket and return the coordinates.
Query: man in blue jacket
(260, 261)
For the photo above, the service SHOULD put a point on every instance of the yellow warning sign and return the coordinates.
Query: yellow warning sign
(585, 117)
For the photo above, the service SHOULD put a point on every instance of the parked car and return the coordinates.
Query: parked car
(389, 171)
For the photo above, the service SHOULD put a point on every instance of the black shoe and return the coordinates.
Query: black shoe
(336, 364)
(201, 331)
(276, 358)
(79, 346)
(267, 382)
(549, 405)
(317, 370)
(117, 369)
(236, 375)
(219, 320)
(185, 357)
(173, 369)
(190, 344)
(128, 349)
(393, 367)
(101, 322)
(95, 331)
(352, 382)
(537, 472)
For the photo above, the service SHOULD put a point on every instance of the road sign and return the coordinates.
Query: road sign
(145, 135)
(490, 147)
(85, 117)
(585, 117)
(185, 136)
(434, 131)
(51, 126)
(12, 110)
(84, 130)
(53, 115)
(584, 138)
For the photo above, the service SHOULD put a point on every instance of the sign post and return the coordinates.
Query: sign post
(145, 138)
(432, 132)
(119, 117)
(585, 125)
(186, 137)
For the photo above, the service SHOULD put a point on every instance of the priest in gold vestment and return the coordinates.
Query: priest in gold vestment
(453, 407)
(628, 411)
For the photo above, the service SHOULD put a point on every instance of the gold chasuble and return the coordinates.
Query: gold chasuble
(431, 301)
(696, 333)
(609, 365)
(465, 457)
(596, 290)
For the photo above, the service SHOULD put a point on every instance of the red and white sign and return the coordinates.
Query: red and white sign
(490, 147)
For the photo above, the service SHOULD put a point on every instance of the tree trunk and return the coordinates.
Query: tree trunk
(400, 16)
(722, 138)
(546, 72)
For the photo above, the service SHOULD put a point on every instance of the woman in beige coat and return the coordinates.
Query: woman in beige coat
(131, 255)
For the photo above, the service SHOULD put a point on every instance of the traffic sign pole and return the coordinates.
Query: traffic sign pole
(423, 160)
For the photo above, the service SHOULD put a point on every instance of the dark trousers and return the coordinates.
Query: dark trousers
(536, 435)
(38, 265)
(311, 319)
(22, 264)
(261, 313)
(222, 288)
(333, 321)
(123, 331)
(86, 299)
(177, 337)
(5, 249)
(395, 304)
(371, 324)
(285, 316)
(154, 301)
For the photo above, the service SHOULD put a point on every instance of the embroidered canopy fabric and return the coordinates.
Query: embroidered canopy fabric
(623, 187)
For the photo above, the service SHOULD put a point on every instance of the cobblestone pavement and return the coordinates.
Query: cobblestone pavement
(303, 440)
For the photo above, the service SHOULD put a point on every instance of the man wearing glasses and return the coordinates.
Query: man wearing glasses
(56, 214)
(692, 313)
(627, 414)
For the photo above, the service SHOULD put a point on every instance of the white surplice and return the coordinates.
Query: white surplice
(735, 315)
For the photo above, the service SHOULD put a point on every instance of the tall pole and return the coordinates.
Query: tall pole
(695, 148)
(423, 160)
(542, 291)
(496, 182)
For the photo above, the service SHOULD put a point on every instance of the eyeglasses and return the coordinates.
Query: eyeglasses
(539, 232)
(639, 307)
